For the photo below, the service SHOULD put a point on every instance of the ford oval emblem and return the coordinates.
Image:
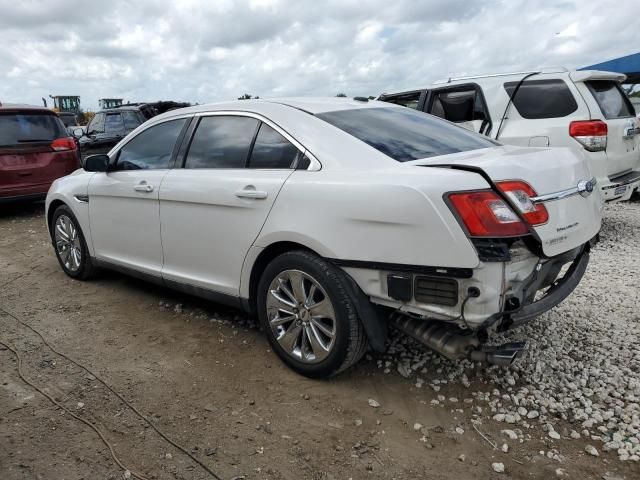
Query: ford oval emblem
(585, 187)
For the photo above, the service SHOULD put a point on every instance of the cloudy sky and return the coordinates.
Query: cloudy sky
(201, 51)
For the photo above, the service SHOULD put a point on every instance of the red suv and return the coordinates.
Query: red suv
(35, 149)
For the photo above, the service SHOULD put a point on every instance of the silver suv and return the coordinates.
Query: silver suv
(584, 110)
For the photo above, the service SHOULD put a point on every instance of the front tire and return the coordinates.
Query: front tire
(70, 245)
(309, 316)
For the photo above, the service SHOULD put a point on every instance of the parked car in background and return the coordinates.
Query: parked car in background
(584, 110)
(35, 149)
(70, 121)
(107, 128)
(331, 218)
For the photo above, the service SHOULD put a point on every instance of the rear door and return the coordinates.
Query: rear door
(28, 161)
(123, 203)
(623, 139)
(212, 210)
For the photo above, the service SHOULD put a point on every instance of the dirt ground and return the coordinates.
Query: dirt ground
(216, 389)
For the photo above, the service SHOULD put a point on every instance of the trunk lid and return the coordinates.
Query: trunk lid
(573, 221)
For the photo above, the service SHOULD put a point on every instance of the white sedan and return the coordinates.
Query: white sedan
(332, 219)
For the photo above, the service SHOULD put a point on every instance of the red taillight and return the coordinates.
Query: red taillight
(485, 214)
(62, 144)
(591, 134)
(520, 193)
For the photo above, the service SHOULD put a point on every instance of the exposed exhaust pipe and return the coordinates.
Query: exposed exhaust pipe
(454, 343)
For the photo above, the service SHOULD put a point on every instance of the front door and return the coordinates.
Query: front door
(212, 210)
(123, 203)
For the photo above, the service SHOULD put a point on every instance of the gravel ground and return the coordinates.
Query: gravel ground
(568, 408)
(580, 376)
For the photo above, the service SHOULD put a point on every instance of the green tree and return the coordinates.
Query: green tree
(341, 95)
(248, 96)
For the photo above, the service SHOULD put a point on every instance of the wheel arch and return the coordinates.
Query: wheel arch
(372, 318)
(51, 209)
(262, 260)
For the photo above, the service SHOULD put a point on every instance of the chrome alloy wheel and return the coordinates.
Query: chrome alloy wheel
(301, 316)
(68, 244)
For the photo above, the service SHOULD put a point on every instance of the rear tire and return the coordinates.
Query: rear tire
(309, 316)
(70, 245)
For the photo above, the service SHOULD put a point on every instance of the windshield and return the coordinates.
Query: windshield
(23, 128)
(404, 134)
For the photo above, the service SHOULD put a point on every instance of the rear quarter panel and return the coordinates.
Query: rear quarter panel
(392, 216)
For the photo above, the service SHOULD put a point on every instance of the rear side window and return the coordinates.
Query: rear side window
(113, 123)
(272, 150)
(611, 99)
(536, 99)
(221, 142)
(24, 128)
(404, 134)
(131, 120)
(151, 149)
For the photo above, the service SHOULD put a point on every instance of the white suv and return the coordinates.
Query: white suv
(585, 110)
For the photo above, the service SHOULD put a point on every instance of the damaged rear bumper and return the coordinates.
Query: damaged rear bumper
(556, 293)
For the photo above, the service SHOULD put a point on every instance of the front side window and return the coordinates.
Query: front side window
(97, 124)
(458, 105)
(272, 150)
(151, 149)
(612, 100)
(404, 134)
(131, 120)
(536, 99)
(113, 123)
(221, 142)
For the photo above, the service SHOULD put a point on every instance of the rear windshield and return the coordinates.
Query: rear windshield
(404, 134)
(24, 128)
(612, 100)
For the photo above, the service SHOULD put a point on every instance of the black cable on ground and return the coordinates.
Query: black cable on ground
(80, 419)
(108, 387)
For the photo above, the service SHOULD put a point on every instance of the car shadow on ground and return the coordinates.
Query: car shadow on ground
(21, 209)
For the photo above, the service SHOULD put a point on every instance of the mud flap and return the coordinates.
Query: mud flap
(373, 320)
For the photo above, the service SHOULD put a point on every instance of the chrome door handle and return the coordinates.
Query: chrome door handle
(254, 194)
(143, 187)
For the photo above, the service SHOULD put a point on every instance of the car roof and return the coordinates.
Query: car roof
(24, 107)
(297, 117)
(312, 105)
(120, 109)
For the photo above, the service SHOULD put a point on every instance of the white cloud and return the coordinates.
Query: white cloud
(203, 51)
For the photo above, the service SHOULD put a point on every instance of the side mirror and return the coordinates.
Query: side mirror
(78, 132)
(96, 163)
